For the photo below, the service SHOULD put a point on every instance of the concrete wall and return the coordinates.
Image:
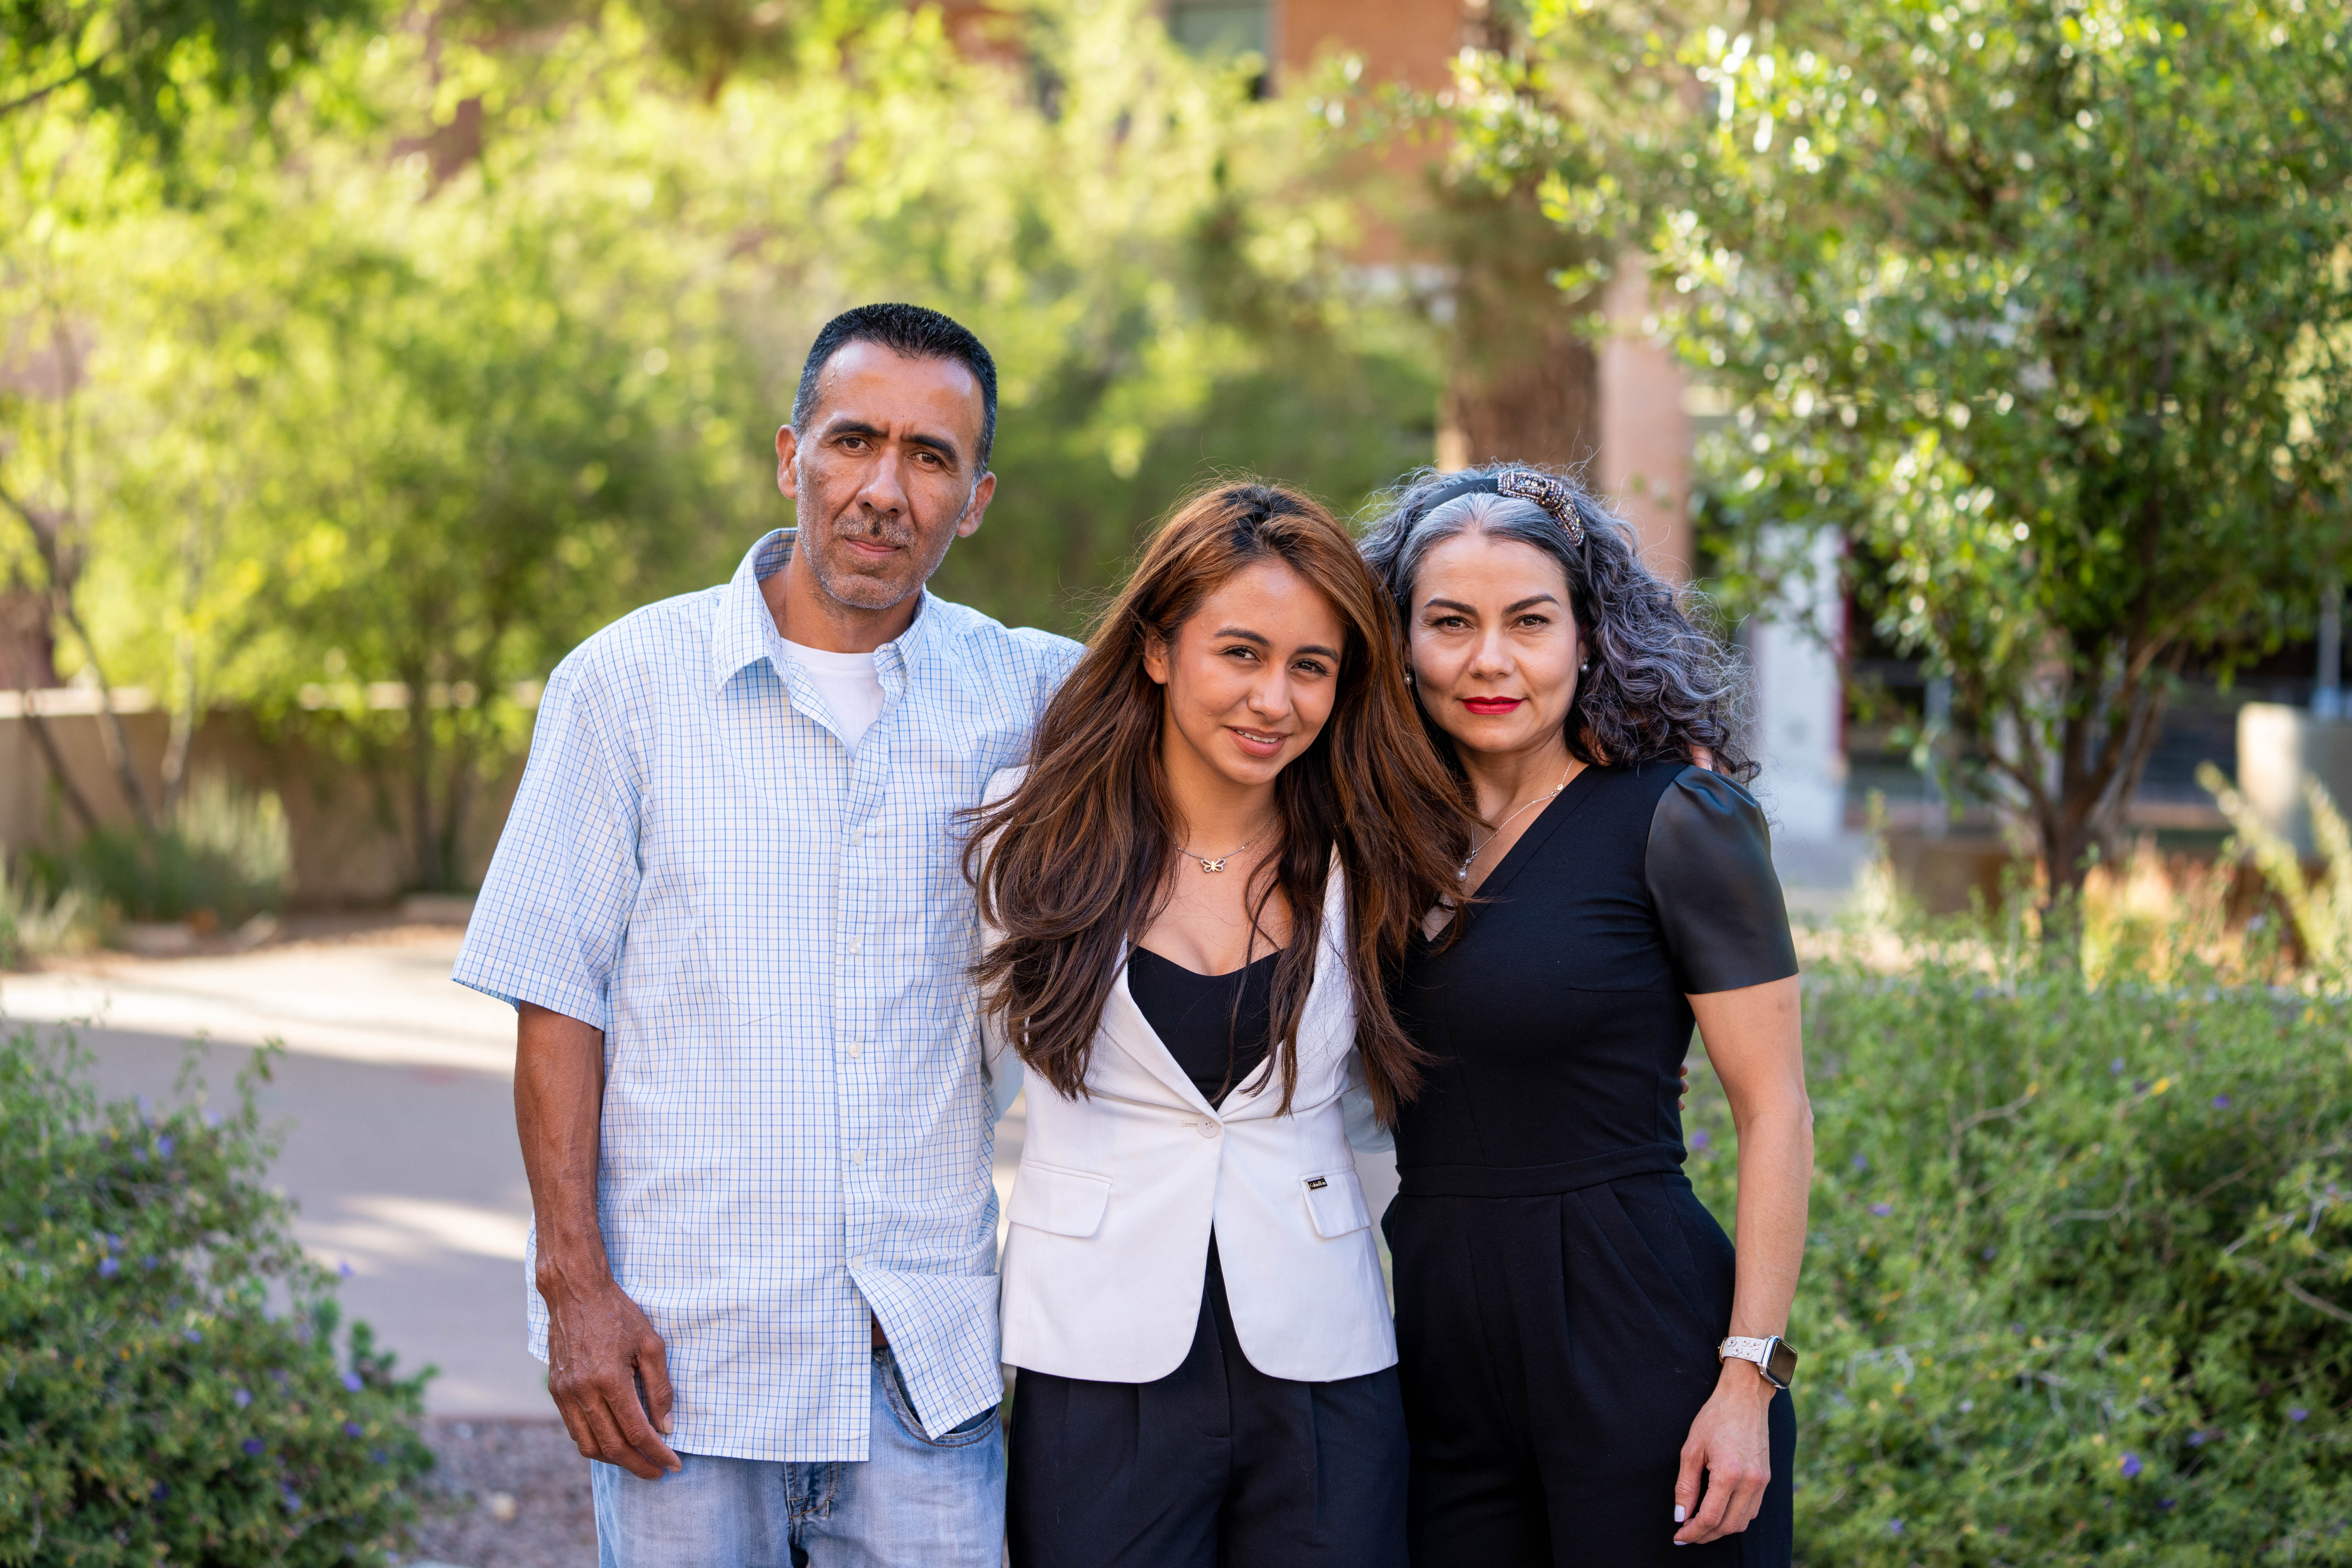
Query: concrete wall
(2279, 748)
(348, 846)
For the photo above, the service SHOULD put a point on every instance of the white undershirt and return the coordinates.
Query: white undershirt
(852, 691)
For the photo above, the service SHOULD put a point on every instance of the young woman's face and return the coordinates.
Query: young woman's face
(1495, 648)
(1250, 675)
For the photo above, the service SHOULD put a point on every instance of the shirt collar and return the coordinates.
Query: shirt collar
(745, 632)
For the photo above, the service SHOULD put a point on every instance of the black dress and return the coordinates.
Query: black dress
(1561, 1291)
(1216, 1465)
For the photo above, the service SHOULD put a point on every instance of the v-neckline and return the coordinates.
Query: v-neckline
(1555, 812)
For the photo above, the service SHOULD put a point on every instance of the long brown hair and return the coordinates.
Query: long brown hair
(1076, 861)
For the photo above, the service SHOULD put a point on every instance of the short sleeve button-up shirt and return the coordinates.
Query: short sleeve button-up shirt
(774, 935)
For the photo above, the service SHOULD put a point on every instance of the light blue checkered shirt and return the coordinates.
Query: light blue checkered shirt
(773, 935)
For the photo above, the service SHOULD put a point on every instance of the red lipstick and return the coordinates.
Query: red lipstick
(1491, 705)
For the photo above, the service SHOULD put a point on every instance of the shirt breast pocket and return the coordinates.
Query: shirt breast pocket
(1334, 1202)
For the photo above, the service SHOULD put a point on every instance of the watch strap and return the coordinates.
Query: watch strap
(1764, 1353)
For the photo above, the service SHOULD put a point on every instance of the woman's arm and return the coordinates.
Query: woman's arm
(1755, 1039)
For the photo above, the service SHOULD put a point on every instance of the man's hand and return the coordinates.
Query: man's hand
(609, 1375)
(606, 1367)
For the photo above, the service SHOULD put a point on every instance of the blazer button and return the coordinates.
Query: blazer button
(1211, 1129)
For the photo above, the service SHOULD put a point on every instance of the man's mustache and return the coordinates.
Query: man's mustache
(878, 528)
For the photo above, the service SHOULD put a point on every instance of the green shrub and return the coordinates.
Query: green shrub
(2079, 1275)
(224, 857)
(170, 1389)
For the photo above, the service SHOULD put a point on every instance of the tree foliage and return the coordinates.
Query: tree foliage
(482, 343)
(2046, 305)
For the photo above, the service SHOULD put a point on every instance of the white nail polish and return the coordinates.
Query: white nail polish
(1681, 1513)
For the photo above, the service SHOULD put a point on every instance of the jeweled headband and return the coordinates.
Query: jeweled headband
(1526, 484)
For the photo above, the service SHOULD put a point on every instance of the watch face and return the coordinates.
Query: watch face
(1783, 1365)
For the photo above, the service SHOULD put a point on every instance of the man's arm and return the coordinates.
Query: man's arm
(601, 1346)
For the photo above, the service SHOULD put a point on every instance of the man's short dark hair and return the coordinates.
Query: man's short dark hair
(911, 331)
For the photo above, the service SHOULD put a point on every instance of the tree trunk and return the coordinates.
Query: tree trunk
(430, 874)
(1543, 407)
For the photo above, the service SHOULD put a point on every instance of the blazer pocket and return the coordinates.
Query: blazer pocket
(1335, 1200)
(1059, 1202)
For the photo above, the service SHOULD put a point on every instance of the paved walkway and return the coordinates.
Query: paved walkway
(396, 1099)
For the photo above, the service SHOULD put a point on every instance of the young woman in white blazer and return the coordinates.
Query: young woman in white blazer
(1191, 899)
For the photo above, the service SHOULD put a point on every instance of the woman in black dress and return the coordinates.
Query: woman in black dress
(1590, 1375)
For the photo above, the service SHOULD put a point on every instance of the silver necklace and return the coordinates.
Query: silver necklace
(1218, 862)
(1464, 874)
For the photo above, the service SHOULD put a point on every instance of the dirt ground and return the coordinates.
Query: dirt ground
(508, 1494)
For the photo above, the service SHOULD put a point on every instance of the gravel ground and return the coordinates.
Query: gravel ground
(508, 1494)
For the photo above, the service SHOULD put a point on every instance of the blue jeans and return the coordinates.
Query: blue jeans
(913, 1502)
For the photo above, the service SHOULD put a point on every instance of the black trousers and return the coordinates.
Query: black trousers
(1555, 1349)
(1215, 1466)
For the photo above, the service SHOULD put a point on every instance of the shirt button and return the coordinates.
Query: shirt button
(1213, 1128)
(857, 1156)
(856, 1049)
(855, 943)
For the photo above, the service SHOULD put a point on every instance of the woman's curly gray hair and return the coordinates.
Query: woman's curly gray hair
(1658, 685)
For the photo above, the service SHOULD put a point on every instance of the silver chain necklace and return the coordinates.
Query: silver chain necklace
(1464, 874)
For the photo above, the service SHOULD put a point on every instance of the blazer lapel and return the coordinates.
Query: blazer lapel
(1130, 1030)
(1327, 1028)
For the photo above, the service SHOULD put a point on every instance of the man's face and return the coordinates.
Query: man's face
(886, 474)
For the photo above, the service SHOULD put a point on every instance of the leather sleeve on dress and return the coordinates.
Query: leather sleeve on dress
(1709, 870)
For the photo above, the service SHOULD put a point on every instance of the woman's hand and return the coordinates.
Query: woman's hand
(1730, 1443)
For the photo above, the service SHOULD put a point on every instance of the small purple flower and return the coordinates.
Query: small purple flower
(292, 1499)
(107, 1267)
(212, 1117)
(2197, 1438)
(381, 1457)
(148, 1262)
(2116, 1066)
(1882, 1210)
(2220, 1102)
(243, 1397)
(164, 1146)
(2166, 1504)
(352, 1381)
(352, 1429)
(114, 1243)
(1989, 1253)
(194, 1336)
(146, 1107)
(2298, 1415)
(345, 1269)
(252, 1447)
(1862, 1161)
(2131, 1466)
(1699, 1140)
(1894, 1527)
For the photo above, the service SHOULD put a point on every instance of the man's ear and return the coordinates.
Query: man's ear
(1155, 657)
(788, 448)
(976, 508)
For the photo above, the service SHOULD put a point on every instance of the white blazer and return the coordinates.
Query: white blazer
(1118, 1192)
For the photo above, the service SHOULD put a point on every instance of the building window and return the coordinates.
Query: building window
(1220, 27)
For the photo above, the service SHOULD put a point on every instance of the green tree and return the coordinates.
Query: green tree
(2047, 307)
(149, 65)
(374, 434)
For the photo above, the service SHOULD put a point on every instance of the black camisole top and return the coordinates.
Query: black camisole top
(1216, 1025)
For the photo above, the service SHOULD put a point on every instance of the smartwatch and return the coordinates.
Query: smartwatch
(1772, 1357)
